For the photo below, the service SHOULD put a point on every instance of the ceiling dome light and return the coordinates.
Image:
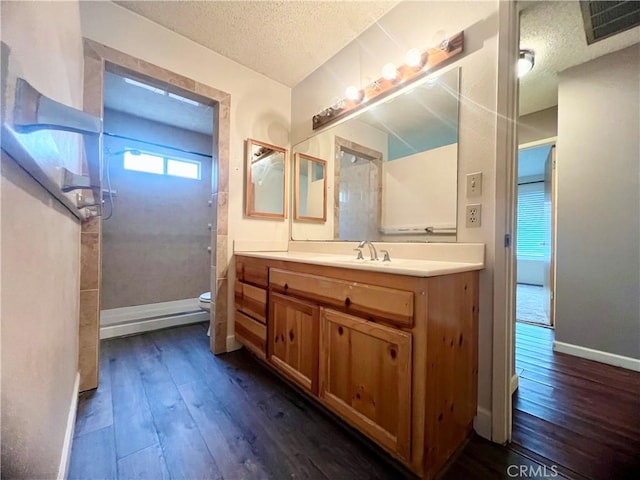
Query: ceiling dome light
(389, 72)
(352, 93)
(525, 62)
(413, 58)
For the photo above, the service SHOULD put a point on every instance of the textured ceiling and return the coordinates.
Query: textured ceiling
(555, 31)
(284, 40)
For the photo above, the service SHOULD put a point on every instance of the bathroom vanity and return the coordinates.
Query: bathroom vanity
(389, 347)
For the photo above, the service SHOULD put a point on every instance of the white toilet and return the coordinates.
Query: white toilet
(204, 302)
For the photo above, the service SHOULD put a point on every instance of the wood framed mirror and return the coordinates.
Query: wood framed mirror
(267, 169)
(310, 187)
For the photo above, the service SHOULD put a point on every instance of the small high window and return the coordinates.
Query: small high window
(161, 165)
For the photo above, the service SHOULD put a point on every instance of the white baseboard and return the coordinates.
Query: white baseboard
(598, 356)
(233, 344)
(514, 383)
(140, 326)
(115, 316)
(482, 423)
(70, 430)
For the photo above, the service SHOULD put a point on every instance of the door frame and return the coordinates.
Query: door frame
(369, 154)
(552, 142)
(97, 59)
(504, 268)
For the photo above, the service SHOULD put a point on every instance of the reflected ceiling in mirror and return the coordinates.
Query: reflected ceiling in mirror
(393, 168)
(265, 189)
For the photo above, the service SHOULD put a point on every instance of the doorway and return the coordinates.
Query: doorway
(358, 191)
(99, 58)
(535, 252)
(156, 238)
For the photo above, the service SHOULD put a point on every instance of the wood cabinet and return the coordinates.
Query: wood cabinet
(251, 334)
(395, 356)
(365, 377)
(252, 277)
(293, 339)
(370, 301)
(251, 301)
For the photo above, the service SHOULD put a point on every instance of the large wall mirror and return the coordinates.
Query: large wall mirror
(310, 189)
(393, 168)
(266, 193)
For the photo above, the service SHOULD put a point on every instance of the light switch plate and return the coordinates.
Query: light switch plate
(474, 184)
(474, 215)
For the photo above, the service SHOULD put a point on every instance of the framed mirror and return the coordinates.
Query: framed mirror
(393, 168)
(310, 187)
(265, 190)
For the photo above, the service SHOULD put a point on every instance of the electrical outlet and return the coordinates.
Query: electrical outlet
(474, 215)
(474, 184)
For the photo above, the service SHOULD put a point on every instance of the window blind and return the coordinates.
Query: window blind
(534, 222)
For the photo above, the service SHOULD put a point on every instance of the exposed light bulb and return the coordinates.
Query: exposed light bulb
(352, 93)
(413, 58)
(389, 72)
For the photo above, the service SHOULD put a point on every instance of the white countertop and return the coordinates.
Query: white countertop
(400, 266)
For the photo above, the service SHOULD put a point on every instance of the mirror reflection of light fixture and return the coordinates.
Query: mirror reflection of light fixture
(417, 64)
(353, 93)
(413, 58)
(525, 62)
(389, 72)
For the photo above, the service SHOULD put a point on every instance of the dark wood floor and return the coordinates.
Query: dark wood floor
(167, 408)
(582, 416)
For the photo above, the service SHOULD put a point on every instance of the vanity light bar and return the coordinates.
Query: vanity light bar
(417, 66)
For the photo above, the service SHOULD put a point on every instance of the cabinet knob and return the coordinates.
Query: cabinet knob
(209, 249)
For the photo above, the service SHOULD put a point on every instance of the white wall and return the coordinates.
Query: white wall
(598, 229)
(538, 125)
(421, 24)
(40, 259)
(421, 189)
(260, 107)
(315, 197)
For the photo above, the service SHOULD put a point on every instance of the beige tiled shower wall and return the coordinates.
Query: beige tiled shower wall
(89, 326)
(155, 243)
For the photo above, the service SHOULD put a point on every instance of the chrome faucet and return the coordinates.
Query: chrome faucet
(372, 249)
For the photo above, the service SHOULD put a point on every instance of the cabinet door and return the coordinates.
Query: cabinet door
(365, 377)
(293, 339)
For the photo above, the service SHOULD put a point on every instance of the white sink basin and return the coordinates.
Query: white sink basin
(402, 266)
(367, 262)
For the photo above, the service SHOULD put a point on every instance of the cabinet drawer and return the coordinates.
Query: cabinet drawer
(251, 334)
(252, 270)
(251, 300)
(357, 298)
